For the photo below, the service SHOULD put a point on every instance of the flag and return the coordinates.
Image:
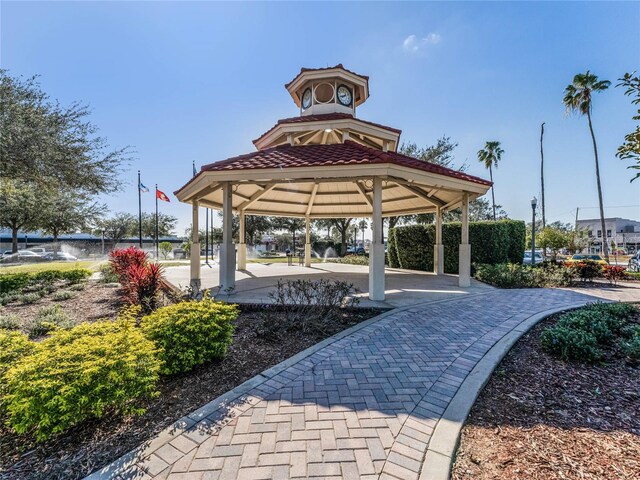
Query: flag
(162, 196)
(194, 169)
(142, 187)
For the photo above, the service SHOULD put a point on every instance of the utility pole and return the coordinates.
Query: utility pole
(544, 219)
(139, 212)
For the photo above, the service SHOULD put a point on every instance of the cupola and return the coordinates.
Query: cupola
(318, 91)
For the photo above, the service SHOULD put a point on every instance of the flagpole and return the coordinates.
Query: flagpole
(139, 213)
(156, 222)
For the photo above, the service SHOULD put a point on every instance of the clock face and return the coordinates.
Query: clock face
(306, 98)
(344, 95)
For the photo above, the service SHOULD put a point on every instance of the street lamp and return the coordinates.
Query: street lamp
(534, 204)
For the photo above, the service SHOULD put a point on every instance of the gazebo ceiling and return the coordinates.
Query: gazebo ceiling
(330, 180)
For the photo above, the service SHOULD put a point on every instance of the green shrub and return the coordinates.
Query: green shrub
(508, 275)
(411, 246)
(13, 346)
(85, 372)
(29, 298)
(617, 309)
(62, 295)
(353, 260)
(10, 297)
(75, 276)
(107, 275)
(76, 287)
(10, 282)
(47, 320)
(591, 322)
(9, 322)
(571, 344)
(190, 333)
(392, 254)
(631, 348)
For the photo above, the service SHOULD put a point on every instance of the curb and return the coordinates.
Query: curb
(441, 451)
(117, 467)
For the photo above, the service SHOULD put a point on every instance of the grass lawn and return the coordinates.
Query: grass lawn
(40, 267)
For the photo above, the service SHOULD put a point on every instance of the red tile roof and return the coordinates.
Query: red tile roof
(340, 66)
(348, 153)
(323, 117)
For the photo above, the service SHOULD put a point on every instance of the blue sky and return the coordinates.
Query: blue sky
(184, 81)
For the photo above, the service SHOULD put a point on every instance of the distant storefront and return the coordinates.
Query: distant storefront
(623, 232)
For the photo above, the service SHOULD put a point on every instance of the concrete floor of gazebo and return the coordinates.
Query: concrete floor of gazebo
(403, 287)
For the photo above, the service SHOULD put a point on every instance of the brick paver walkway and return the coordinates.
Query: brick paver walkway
(363, 407)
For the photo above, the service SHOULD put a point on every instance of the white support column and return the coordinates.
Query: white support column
(227, 248)
(438, 248)
(464, 265)
(307, 244)
(376, 254)
(195, 249)
(242, 245)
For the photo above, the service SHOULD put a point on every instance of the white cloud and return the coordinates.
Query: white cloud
(414, 44)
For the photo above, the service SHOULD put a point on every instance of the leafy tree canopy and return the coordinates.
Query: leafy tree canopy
(630, 149)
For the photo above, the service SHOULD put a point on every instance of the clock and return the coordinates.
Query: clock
(344, 95)
(306, 98)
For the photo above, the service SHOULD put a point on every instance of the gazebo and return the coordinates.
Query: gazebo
(327, 163)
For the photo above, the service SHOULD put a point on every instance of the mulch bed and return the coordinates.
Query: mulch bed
(542, 418)
(95, 302)
(94, 444)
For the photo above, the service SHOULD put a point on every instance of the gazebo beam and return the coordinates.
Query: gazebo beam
(418, 192)
(312, 199)
(204, 192)
(363, 192)
(256, 196)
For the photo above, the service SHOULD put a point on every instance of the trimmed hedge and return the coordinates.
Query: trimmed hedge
(411, 247)
(17, 281)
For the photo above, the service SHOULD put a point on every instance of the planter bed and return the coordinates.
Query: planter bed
(94, 444)
(542, 418)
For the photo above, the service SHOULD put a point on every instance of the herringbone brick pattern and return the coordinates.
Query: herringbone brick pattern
(363, 407)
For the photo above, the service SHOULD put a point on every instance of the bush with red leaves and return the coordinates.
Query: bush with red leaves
(141, 281)
(613, 273)
(143, 286)
(123, 259)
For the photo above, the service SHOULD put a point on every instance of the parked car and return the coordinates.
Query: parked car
(59, 257)
(634, 263)
(38, 250)
(581, 257)
(22, 256)
(538, 258)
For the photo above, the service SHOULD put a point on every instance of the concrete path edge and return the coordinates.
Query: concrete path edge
(177, 428)
(443, 444)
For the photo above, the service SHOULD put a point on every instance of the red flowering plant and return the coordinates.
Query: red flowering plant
(587, 270)
(614, 273)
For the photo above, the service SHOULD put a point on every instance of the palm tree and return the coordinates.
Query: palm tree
(577, 98)
(491, 155)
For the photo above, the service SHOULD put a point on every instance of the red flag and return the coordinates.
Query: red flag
(162, 196)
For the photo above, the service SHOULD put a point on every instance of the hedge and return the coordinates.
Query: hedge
(17, 281)
(411, 247)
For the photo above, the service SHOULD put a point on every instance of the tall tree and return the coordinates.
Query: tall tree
(490, 156)
(578, 99)
(166, 224)
(630, 149)
(68, 211)
(363, 224)
(20, 208)
(290, 224)
(117, 226)
(544, 219)
(43, 142)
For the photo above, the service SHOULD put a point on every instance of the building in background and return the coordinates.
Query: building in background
(623, 232)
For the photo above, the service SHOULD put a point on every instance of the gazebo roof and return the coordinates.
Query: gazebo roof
(323, 181)
(347, 153)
